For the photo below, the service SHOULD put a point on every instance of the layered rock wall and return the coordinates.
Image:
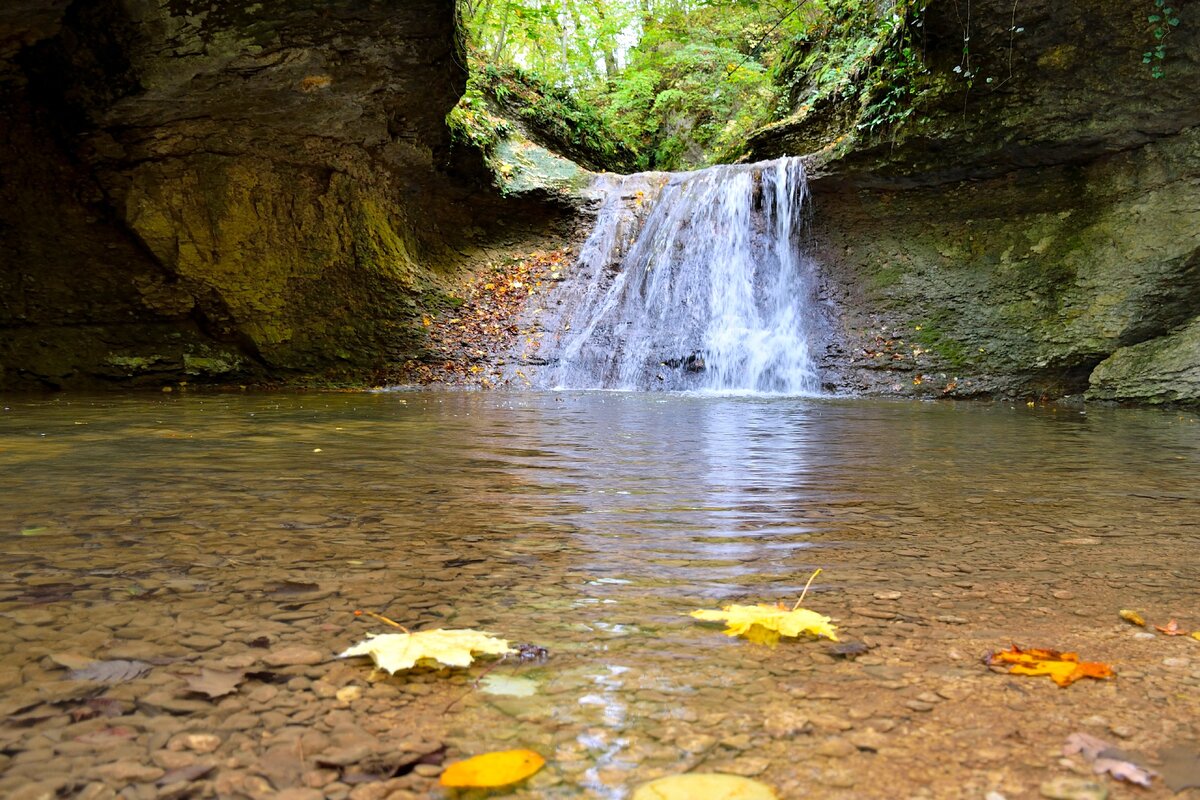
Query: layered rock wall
(225, 190)
(1020, 233)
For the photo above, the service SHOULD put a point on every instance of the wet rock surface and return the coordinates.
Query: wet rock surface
(1000, 241)
(231, 546)
(231, 192)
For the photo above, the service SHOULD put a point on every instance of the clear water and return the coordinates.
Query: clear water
(189, 527)
(690, 281)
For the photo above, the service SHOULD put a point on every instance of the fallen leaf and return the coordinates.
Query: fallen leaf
(215, 683)
(99, 707)
(706, 785)
(492, 769)
(742, 619)
(454, 648)
(1196, 635)
(1130, 615)
(1063, 668)
(1181, 768)
(1108, 758)
(116, 671)
(1171, 629)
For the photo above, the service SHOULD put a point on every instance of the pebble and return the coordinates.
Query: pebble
(198, 742)
(918, 705)
(129, 772)
(695, 742)
(746, 766)
(836, 747)
(1067, 788)
(293, 656)
(299, 793)
(348, 694)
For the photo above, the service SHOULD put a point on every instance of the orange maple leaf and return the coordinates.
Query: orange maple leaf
(1063, 668)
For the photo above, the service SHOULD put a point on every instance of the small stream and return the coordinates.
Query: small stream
(193, 530)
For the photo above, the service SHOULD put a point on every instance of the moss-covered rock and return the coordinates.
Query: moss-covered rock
(1161, 370)
(1028, 220)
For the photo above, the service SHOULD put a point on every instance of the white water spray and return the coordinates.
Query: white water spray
(690, 281)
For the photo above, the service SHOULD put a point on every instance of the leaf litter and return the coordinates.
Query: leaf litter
(1107, 758)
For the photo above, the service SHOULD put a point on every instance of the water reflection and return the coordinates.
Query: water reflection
(591, 524)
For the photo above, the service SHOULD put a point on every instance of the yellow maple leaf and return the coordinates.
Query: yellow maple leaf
(492, 769)
(454, 648)
(741, 620)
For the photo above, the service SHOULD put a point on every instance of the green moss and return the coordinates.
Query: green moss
(931, 334)
(887, 276)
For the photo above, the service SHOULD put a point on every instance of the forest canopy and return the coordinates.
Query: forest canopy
(677, 84)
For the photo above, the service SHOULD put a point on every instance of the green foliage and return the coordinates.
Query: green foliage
(554, 115)
(1164, 19)
(853, 50)
(471, 123)
(675, 83)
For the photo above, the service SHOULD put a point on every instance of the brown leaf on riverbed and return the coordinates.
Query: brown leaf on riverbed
(1107, 758)
(215, 683)
(115, 671)
(99, 707)
(1063, 668)
(1171, 629)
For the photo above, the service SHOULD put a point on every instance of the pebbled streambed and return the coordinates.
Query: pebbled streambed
(239, 533)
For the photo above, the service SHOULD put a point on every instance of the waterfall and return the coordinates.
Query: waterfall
(693, 281)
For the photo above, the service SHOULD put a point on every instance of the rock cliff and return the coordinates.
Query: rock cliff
(1034, 228)
(228, 191)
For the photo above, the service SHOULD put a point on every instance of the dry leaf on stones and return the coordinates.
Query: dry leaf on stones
(215, 683)
(116, 671)
(1107, 758)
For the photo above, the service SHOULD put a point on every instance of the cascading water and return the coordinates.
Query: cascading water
(689, 281)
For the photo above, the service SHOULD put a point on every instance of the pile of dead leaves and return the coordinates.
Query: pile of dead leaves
(465, 342)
